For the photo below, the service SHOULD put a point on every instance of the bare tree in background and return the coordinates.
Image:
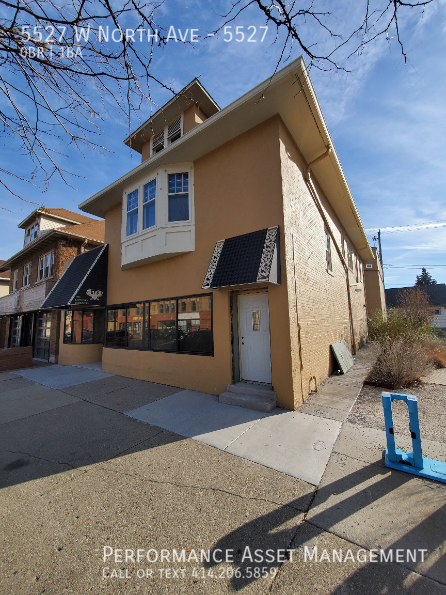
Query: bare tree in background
(59, 76)
(301, 20)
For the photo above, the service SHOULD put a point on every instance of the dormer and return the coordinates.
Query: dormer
(43, 219)
(188, 109)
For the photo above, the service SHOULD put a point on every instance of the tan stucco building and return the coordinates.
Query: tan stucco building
(235, 249)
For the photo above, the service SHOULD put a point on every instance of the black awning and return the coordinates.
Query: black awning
(249, 258)
(83, 283)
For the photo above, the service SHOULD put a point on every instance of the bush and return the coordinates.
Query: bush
(436, 350)
(400, 363)
(395, 325)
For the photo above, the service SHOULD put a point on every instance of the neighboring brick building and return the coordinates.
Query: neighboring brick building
(52, 237)
(235, 249)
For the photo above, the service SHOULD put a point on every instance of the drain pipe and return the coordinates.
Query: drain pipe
(317, 202)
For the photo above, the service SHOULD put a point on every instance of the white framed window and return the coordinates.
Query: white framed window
(46, 265)
(149, 206)
(15, 280)
(27, 274)
(437, 311)
(174, 131)
(178, 196)
(168, 135)
(158, 142)
(132, 212)
(31, 233)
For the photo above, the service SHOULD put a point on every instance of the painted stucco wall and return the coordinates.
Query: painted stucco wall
(72, 355)
(192, 117)
(317, 298)
(237, 190)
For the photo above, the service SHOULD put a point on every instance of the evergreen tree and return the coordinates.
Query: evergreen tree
(424, 279)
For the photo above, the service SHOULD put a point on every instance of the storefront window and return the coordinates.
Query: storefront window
(176, 324)
(163, 328)
(195, 325)
(84, 326)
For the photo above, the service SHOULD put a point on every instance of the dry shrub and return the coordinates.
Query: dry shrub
(436, 350)
(400, 364)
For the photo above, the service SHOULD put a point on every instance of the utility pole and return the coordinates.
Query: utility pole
(380, 254)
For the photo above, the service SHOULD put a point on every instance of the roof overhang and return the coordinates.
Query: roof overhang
(193, 94)
(45, 238)
(289, 94)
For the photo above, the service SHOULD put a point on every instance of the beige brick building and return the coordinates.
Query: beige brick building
(235, 250)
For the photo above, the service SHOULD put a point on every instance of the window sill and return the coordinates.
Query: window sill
(330, 272)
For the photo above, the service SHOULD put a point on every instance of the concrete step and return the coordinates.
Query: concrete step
(252, 388)
(248, 400)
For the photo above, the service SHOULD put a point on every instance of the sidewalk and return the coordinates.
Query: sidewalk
(78, 474)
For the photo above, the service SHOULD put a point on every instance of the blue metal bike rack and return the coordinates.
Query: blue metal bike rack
(411, 462)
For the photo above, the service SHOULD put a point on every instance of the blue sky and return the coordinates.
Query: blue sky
(387, 120)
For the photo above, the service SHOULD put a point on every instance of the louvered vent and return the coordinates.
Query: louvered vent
(174, 128)
(158, 142)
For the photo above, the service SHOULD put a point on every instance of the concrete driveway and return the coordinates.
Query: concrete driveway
(82, 482)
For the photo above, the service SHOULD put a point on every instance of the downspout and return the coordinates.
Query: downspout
(316, 200)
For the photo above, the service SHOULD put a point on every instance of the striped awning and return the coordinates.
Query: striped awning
(241, 260)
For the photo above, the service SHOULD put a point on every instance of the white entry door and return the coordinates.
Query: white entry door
(255, 349)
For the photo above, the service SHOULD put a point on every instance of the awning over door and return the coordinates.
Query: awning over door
(249, 258)
(83, 283)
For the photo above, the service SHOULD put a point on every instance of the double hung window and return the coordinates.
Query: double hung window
(27, 274)
(178, 191)
(31, 233)
(149, 198)
(46, 265)
(132, 212)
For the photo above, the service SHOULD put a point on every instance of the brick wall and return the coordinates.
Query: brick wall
(317, 298)
(14, 358)
(64, 249)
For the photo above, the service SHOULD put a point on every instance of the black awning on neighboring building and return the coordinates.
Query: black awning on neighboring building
(249, 258)
(83, 283)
